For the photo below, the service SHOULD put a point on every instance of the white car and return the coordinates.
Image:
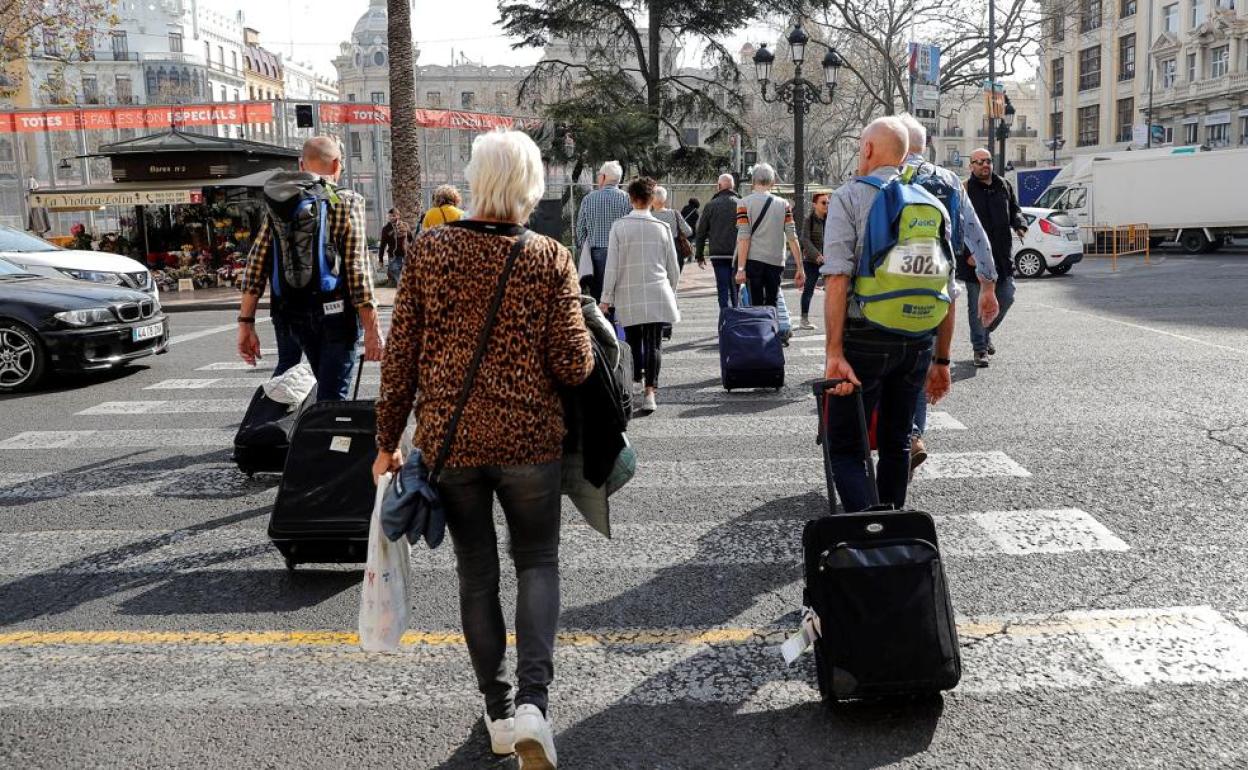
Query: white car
(35, 255)
(1052, 243)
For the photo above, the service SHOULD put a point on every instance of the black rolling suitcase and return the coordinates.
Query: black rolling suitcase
(326, 496)
(877, 584)
(263, 437)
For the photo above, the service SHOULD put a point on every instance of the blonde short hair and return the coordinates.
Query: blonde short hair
(505, 175)
(446, 195)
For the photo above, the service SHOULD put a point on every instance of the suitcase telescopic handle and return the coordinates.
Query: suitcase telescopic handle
(359, 378)
(821, 389)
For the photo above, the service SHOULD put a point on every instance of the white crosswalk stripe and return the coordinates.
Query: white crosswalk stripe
(185, 406)
(734, 425)
(653, 545)
(227, 383)
(808, 471)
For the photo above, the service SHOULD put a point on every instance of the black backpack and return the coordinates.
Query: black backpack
(306, 266)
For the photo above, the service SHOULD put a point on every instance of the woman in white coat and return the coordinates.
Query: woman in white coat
(640, 283)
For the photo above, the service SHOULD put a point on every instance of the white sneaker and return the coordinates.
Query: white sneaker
(502, 734)
(535, 741)
(638, 387)
(649, 404)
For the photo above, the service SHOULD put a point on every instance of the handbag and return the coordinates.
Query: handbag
(684, 249)
(412, 505)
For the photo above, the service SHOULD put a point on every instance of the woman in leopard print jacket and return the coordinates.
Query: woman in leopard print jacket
(509, 441)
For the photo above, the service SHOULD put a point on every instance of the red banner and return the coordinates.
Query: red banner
(136, 117)
(379, 114)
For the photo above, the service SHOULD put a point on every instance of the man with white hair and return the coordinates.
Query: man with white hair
(887, 357)
(599, 210)
(319, 302)
(764, 226)
(967, 235)
(717, 227)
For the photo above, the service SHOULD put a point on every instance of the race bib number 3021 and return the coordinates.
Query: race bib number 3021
(906, 260)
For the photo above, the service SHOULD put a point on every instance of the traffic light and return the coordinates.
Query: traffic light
(303, 116)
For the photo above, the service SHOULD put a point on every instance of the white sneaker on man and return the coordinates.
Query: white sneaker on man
(649, 404)
(535, 741)
(502, 734)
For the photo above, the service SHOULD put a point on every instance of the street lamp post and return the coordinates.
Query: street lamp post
(1055, 144)
(1003, 132)
(798, 94)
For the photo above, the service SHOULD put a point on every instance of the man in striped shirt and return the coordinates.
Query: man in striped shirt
(764, 227)
(328, 332)
(599, 210)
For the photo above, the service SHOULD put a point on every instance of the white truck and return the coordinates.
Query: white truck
(1182, 194)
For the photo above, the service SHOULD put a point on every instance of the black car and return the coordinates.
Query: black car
(49, 324)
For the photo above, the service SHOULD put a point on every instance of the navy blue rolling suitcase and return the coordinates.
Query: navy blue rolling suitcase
(876, 581)
(751, 353)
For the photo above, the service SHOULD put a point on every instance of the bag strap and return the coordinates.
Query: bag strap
(754, 227)
(483, 341)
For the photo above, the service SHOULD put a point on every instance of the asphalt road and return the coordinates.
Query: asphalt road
(1089, 489)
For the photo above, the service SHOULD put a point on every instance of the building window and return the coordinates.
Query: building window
(90, 90)
(1198, 14)
(1126, 57)
(51, 43)
(121, 46)
(1243, 130)
(689, 137)
(1226, 5)
(356, 151)
(1190, 131)
(1218, 135)
(350, 97)
(1056, 120)
(378, 97)
(175, 42)
(1126, 116)
(466, 100)
(234, 61)
(1090, 68)
(220, 56)
(235, 94)
(251, 93)
(1219, 61)
(1089, 125)
(208, 53)
(1022, 153)
(125, 90)
(1058, 32)
(1058, 76)
(1170, 18)
(433, 99)
(379, 58)
(55, 88)
(502, 100)
(1126, 9)
(1169, 72)
(223, 94)
(1089, 15)
(1191, 68)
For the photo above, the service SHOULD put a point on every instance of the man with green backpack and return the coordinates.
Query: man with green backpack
(889, 261)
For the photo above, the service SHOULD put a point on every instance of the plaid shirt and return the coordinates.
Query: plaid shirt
(598, 212)
(346, 231)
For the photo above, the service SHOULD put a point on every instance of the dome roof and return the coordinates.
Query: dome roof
(372, 25)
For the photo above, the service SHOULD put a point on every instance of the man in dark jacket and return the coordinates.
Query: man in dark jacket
(718, 225)
(997, 208)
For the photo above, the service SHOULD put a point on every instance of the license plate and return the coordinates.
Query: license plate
(148, 332)
(1072, 236)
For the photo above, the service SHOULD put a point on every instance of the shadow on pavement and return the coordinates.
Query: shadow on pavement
(61, 383)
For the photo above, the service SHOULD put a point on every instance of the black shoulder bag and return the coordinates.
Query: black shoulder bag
(412, 504)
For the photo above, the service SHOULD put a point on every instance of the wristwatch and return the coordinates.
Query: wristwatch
(940, 361)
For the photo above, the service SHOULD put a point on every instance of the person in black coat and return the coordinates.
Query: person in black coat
(997, 208)
(691, 212)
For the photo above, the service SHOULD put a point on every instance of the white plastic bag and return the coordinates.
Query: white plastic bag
(292, 386)
(383, 596)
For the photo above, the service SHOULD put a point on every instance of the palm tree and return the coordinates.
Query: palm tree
(404, 134)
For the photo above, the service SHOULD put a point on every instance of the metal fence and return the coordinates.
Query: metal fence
(1114, 241)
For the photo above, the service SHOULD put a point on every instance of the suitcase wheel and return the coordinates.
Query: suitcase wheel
(290, 563)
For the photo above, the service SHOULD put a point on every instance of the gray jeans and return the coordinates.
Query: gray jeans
(529, 495)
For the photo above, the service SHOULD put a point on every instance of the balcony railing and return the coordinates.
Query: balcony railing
(1027, 133)
(952, 132)
(219, 67)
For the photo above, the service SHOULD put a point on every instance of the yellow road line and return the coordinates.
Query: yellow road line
(643, 637)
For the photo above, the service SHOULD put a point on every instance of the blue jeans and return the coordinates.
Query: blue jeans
(808, 291)
(529, 495)
(764, 280)
(289, 354)
(893, 371)
(725, 286)
(394, 269)
(599, 258)
(331, 344)
(981, 338)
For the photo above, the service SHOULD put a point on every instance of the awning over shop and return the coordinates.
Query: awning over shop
(140, 193)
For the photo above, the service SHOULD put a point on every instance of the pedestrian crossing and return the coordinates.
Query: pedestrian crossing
(658, 549)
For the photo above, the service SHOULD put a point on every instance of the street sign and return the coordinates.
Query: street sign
(1139, 135)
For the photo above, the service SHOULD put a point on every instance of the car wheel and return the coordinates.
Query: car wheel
(1060, 270)
(1194, 242)
(22, 360)
(1029, 264)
